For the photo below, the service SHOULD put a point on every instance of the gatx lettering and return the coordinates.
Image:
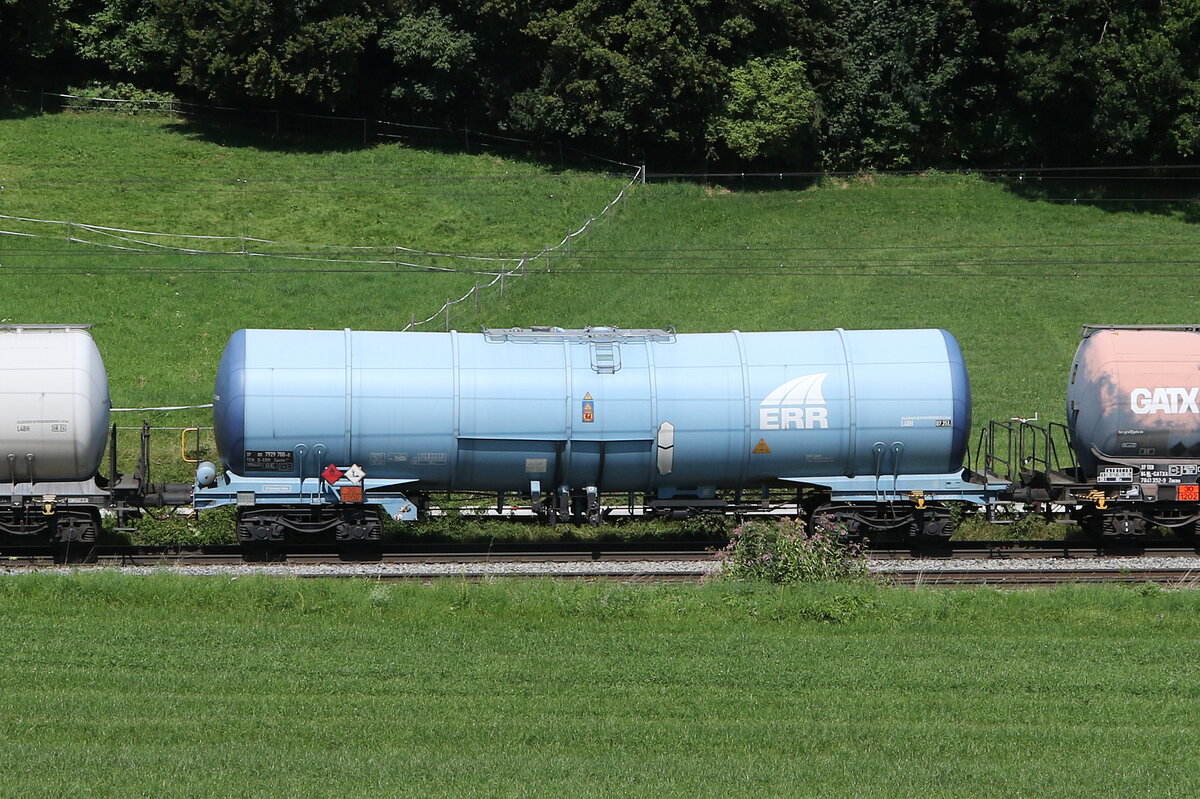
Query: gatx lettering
(1164, 400)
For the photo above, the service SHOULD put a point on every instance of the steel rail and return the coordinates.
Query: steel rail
(524, 551)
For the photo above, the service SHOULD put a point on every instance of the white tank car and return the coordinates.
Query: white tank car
(54, 404)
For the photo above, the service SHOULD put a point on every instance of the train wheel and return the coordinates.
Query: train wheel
(73, 535)
(259, 529)
(936, 525)
(1124, 525)
(830, 520)
(1112, 525)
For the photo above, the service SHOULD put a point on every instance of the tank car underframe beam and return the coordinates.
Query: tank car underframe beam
(1129, 519)
(1107, 510)
(266, 492)
(342, 523)
(50, 523)
(949, 487)
(867, 520)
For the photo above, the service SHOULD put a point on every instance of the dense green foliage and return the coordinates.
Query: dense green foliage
(169, 686)
(835, 84)
(787, 551)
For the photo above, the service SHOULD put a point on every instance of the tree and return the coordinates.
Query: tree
(268, 50)
(769, 110)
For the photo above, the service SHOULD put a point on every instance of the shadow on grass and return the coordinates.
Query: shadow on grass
(13, 109)
(1163, 193)
(309, 134)
(315, 134)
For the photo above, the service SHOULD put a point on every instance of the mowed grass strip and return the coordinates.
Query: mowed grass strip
(172, 686)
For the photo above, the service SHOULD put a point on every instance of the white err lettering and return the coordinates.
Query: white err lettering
(798, 404)
(1164, 400)
(793, 418)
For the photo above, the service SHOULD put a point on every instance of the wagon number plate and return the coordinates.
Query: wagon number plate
(1115, 474)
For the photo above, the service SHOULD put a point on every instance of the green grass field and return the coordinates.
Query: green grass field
(168, 686)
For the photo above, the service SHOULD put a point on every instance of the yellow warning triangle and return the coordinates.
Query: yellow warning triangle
(762, 448)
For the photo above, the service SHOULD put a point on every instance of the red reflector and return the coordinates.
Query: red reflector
(352, 493)
(1189, 493)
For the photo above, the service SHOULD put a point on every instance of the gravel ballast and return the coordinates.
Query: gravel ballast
(621, 568)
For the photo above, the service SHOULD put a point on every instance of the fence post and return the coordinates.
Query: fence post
(447, 314)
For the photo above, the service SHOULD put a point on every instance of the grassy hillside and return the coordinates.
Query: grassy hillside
(1012, 277)
(162, 316)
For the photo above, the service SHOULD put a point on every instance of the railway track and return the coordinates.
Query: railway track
(1174, 578)
(1006, 564)
(441, 551)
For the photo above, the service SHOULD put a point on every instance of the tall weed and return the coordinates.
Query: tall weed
(783, 551)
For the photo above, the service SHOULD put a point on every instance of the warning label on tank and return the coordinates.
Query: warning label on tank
(269, 460)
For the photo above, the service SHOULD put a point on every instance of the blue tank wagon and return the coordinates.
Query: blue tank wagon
(319, 429)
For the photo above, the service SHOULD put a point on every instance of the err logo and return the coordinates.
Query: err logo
(1164, 400)
(796, 405)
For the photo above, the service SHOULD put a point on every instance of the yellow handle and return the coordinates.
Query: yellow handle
(183, 443)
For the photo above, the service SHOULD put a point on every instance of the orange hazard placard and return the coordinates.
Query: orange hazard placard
(1189, 493)
(762, 448)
